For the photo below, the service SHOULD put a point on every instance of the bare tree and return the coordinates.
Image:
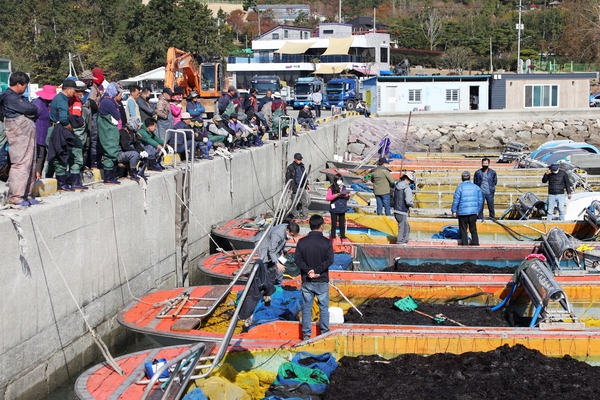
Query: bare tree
(432, 28)
(458, 59)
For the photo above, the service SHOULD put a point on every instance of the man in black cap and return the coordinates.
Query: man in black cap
(403, 202)
(382, 182)
(295, 172)
(468, 200)
(558, 182)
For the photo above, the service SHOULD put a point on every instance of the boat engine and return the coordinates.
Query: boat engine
(559, 247)
(528, 205)
(592, 215)
(552, 307)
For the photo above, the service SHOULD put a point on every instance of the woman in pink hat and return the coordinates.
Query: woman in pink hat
(42, 102)
(176, 107)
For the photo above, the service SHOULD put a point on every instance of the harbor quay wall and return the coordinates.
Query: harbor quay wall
(476, 130)
(108, 244)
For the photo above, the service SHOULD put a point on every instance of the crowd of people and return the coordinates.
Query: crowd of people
(86, 124)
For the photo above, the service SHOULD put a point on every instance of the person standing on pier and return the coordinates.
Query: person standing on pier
(19, 117)
(467, 202)
(382, 182)
(314, 255)
(403, 202)
(486, 179)
(558, 182)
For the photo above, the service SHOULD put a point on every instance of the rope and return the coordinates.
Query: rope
(258, 181)
(318, 148)
(219, 249)
(103, 348)
(22, 244)
(119, 256)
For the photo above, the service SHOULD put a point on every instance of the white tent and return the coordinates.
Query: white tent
(156, 75)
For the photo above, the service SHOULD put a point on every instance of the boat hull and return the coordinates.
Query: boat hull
(140, 316)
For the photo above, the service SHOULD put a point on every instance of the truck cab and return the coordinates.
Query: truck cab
(345, 92)
(303, 90)
(262, 83)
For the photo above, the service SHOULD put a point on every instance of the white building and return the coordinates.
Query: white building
(291, 52)
(427, 93)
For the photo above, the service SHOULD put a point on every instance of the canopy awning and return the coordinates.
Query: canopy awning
(295, 47)
(338, 46)
(330, 68)
(157, 74)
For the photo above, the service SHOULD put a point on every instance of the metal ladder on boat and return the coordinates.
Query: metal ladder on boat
(193, 363)
(204, 306)
(194, 359)
(371, 153)
(183, 185)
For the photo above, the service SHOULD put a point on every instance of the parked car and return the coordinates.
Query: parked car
(595, 99)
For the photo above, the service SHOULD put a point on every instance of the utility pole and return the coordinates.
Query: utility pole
(340, 13)
(519, 28)
(491, 65)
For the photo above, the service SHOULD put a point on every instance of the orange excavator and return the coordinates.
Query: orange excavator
(207, 79)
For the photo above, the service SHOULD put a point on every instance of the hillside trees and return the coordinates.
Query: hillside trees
(122, 36)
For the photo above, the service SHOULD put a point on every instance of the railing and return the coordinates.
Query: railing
(295, 58)
(552, 67)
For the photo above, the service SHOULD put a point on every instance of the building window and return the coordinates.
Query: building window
(275, 36)
(285, 34)
(305, 35)
(541, 95)
(328, 31)
(384, 55)
(451, 95)
(414, 95)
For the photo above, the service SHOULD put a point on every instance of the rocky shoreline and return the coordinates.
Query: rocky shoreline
(468, 136)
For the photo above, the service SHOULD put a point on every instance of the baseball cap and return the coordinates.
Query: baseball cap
(68, 83)
(409, 175)
(383, 160)
(466, 175)
(554, 167)
(297, 156)
(168, 91)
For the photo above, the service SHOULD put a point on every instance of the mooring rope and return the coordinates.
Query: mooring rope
(101, 345)
(218, 248)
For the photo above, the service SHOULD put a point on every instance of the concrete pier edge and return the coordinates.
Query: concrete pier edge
(97, 236)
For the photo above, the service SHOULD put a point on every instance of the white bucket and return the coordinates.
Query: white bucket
(336, 315)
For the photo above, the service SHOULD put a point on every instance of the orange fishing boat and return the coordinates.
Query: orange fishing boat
(179, 315)
(374, 258)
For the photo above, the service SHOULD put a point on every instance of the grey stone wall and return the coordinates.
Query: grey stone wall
(492, 134)
(112, 243)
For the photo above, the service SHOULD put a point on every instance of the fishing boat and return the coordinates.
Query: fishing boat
(102, 382)
(510, 182)
(375, 258)
(241, 233)
(200, 313)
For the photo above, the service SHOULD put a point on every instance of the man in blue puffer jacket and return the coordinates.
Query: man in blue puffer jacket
(468, 200)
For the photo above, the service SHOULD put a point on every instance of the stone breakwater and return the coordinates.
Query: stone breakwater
(462, 136)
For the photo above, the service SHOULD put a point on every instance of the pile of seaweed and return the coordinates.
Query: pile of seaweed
(439, 268)
(383, 311)
(505, 373)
